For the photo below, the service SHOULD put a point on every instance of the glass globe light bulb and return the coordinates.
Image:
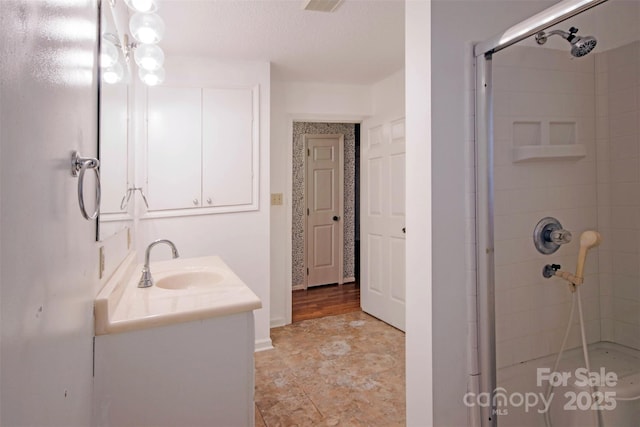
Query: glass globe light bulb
(144, 6)
(149, 56)
(151, 78)
(147, 27)
(108, 54)
(113, 74)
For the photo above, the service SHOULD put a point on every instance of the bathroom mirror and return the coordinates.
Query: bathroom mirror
(113, 143)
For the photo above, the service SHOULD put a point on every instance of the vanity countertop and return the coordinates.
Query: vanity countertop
(121, 306)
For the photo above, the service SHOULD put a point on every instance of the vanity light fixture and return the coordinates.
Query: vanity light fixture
(147, 28)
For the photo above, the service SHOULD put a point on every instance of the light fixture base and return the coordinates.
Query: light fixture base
(321, 5)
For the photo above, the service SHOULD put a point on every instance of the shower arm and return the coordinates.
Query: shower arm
(542, 36)
(561, 33)
(556, 33)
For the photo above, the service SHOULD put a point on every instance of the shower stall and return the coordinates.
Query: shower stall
(558, 136)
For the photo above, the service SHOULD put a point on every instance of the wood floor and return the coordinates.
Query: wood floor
(327, 300)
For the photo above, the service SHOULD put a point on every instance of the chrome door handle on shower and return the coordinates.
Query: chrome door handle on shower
(79, 165)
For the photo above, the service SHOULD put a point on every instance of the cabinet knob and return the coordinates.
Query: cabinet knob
(209, 200)
(195, 202)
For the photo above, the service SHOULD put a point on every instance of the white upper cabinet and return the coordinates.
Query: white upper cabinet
(227, 152)
(174, 152)
(202, 149)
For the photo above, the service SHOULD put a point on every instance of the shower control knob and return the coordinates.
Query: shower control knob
(548, 235)
(559, 237)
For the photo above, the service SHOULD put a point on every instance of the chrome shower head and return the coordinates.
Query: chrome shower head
(580, 46)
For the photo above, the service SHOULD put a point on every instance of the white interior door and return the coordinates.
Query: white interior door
(382, 227)
(324, 189)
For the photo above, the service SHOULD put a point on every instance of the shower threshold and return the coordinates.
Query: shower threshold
(615, 370)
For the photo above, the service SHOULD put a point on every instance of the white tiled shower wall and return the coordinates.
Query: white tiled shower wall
(538, 85)
(618, 145)
(599, 191)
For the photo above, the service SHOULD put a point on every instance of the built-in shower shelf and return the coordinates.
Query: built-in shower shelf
(528, 153)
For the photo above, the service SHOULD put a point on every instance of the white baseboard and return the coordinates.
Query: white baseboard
(263, 344)
(300, 287)
(277, 322)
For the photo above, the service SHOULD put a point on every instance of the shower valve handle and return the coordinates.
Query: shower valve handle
(559, 237)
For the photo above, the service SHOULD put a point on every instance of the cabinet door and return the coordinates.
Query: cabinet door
(227, 147)
(174, 147)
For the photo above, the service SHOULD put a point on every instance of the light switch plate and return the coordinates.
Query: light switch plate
(276, 199)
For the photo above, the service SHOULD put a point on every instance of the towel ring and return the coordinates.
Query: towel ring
(79, 166)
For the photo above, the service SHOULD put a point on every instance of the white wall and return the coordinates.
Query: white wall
(300, 102)
(241, 239)
(618, 109)
(419, 324)
(48, 251)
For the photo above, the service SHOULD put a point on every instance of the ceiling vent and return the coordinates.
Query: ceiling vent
(321, 5)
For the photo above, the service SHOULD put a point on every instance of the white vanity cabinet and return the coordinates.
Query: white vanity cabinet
(190, 374)
(178, 353)
(202, 149)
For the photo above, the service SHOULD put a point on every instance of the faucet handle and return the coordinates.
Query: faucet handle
(549, 270)
(560, 237)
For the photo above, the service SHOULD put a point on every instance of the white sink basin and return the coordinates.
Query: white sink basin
(185, 289)
(190, 280)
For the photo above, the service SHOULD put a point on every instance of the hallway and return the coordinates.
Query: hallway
(327, 300)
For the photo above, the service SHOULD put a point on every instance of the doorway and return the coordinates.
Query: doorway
(343, 293)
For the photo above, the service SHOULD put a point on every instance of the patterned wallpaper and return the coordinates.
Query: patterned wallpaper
(300, 129)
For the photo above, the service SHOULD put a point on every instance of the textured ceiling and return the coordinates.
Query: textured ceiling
(361, 42)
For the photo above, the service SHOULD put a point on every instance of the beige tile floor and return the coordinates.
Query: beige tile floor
(345, 370)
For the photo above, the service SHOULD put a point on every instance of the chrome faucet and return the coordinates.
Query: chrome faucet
(146, 280)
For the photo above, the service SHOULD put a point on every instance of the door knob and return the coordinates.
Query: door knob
(404, 230)
(336, 218)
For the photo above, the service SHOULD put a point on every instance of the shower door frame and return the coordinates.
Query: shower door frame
(484, 179)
